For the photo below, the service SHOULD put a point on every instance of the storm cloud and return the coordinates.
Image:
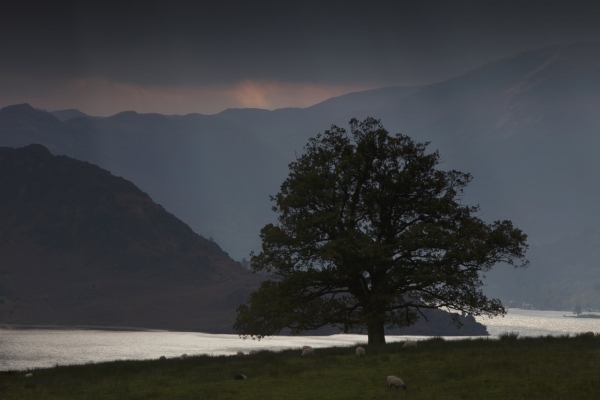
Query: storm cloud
(179, 57)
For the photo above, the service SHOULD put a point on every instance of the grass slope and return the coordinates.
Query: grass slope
(530, 368)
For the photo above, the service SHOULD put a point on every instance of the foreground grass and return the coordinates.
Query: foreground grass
(530, 368)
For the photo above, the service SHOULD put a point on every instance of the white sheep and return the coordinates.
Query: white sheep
(252, 352)
(183, 356)
(360, 352)
(410, 343)
(240, 354)
(29, 375)
(395, 381)
(240, 377)
(308, 351)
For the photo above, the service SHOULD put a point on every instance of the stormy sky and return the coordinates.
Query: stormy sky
(181, 57)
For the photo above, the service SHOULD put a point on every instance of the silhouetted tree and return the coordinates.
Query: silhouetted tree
(370, 232)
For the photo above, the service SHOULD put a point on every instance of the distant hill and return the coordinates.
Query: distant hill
(436, 323)
(527, 127)
(24, 118)
(79, 246)
(64, 115)
(282, 125)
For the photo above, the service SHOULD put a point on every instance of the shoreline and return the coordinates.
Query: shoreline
(79, 327)
(583, 316)
(9, 327)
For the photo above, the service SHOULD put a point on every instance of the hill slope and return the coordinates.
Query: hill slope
(527, 127)
(79, 246)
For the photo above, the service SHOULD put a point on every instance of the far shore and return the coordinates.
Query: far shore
(583, 316)
(80, 327)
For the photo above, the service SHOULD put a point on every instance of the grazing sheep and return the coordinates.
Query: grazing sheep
(395, 381)
(410, 343)
(240, 354)
(162, 358)
(183, 356)
(308, 351)
(240, 377)
(360, 352)
(29, 375)
(252, 352)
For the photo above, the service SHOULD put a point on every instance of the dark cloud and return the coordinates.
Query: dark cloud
(374, 43)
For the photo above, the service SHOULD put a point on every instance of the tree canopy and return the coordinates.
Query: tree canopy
(370, 231)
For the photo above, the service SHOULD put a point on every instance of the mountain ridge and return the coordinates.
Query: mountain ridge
(64, 115)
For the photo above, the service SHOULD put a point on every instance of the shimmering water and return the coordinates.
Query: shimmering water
(540, 323)
(37, 348)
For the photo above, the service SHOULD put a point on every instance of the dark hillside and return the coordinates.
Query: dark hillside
(80, 246)
(67, 204)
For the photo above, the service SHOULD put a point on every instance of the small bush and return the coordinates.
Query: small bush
(435, 339)
(586, 335)
(508, 335)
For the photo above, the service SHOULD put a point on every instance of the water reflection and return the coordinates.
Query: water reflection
(35, 348)
(540, 323)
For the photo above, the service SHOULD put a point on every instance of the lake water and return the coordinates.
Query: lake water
(540, 323)
(22, 349)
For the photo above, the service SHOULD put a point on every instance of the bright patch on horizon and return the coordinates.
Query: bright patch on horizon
(103, 97)
(272, 94)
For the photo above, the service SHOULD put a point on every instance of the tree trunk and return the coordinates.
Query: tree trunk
(376, 334)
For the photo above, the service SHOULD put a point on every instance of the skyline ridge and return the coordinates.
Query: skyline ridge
(595, 43)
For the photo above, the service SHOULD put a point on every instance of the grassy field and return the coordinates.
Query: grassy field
(530, 368)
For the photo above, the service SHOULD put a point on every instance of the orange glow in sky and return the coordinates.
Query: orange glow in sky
(103, 97)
